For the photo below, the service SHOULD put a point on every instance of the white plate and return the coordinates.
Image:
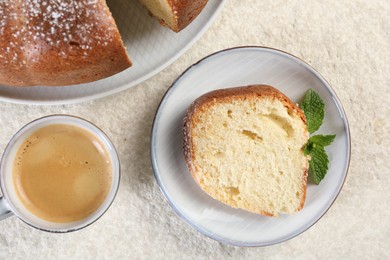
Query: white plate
(151, 48)
(239, 67)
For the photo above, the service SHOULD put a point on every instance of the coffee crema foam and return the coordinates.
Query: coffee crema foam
(62, 173)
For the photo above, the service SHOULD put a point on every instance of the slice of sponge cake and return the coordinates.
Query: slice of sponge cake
(175, 14)
(244, 147)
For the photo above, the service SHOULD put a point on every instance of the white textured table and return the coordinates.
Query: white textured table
(348, 42)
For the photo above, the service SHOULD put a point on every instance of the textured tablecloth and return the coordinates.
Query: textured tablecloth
(348, 42)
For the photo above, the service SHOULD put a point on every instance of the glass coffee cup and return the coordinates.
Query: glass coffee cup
(59, 173)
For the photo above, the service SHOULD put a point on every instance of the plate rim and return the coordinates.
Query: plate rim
(152, 73)
(155, 164)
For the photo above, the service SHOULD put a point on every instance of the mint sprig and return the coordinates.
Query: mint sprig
(314, 108)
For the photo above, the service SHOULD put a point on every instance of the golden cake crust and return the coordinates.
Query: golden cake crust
(175, 14)
(55, 44)
(185, 11)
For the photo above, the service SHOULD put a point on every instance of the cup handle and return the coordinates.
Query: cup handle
(5, 210)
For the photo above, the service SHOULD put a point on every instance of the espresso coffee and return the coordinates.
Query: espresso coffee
(62, 173)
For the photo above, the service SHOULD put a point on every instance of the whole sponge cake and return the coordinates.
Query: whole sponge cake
(59, 42)
(175, 14)
(244, 147)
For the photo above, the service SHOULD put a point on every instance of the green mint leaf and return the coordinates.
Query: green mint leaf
(318, 164)
(322, 140)
(313, 107)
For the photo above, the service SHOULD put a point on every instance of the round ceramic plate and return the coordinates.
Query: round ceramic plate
(150, 46)
(240, 67)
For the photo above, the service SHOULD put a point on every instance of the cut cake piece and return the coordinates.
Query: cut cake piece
(175, 14)
(244, 147)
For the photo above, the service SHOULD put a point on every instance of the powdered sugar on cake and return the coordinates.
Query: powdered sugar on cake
(28, 27)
